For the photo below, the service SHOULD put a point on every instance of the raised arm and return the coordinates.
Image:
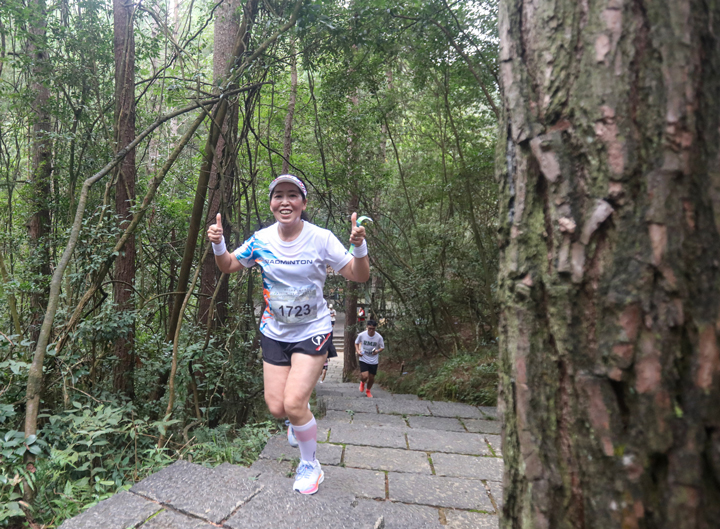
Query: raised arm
(358, 269)
(224, 259)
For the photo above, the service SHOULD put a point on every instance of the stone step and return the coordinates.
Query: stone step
(414, 422)
(351, 502)
(210, 494)
(335, 398)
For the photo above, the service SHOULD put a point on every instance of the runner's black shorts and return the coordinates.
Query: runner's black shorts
(332, 352)
(278, 353)
(370, 368)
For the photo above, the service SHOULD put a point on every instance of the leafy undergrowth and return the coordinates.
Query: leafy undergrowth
(90, 452)
(471, 378)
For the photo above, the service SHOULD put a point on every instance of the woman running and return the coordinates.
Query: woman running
(295, 326)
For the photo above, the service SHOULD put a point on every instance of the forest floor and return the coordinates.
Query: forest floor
(471, 378)
(393, 461)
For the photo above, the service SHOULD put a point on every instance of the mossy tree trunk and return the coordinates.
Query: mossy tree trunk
(609, 172)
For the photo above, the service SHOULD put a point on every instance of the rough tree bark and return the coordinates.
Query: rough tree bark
(41, 151)
(609, 170)
(124, 48)
(227, 26)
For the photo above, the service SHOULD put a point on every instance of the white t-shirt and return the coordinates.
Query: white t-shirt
(332, 314)
(293, 278)
(368, 343)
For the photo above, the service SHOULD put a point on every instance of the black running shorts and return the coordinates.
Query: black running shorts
(332, 352)
(278, 353)
(370, 368)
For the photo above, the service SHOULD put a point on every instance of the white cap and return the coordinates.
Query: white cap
(288, 178)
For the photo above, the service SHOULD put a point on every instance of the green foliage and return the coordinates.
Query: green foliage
(95, 451)
(225, 444)
(15, 476)
(98, 450)
(466, 377)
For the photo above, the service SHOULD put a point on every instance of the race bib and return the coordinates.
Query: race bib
(294, 305)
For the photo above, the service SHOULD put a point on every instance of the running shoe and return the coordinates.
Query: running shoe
(362, 387)
(291, 435)
(308, 477)
(369, 395)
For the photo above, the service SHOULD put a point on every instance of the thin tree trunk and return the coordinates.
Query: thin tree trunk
(149, 196)
(175, 353)
(227, 27)
(350, 362)
(41, 152)
(35, 371)
(209, 150)
(124, 47)
(351, 295)
(609, 276)
(12, 303)
(287, 145)
(477, 236)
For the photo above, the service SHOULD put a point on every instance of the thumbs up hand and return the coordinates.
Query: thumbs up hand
(215, 231)
(357, 235)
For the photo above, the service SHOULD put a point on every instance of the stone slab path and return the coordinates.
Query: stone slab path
(393, 462)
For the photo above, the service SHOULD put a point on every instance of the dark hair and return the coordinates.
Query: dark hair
(372, 323)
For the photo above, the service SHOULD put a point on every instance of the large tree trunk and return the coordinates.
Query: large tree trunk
(608, 164)
(227, 26)
(41, 151)
(124, 46)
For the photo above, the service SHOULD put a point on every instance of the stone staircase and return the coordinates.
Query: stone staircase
(393, 462)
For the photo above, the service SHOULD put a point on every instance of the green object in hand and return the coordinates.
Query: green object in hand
(358, 223)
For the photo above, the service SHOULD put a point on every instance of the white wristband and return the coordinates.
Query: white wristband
(219, 249)
(360, 251)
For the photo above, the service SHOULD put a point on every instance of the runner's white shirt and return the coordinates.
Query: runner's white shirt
(368, 343)
(293, 278)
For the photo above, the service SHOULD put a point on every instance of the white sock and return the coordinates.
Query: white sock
(306, 436)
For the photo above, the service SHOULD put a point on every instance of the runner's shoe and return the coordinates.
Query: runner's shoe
(291, 435)
(362, 387)
(369, 395)
(308, 477)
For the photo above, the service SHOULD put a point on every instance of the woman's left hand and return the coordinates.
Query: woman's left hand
(357, 235)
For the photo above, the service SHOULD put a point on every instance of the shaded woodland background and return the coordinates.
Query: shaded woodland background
(122, 347)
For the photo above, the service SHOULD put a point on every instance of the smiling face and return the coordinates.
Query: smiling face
(287, 203)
